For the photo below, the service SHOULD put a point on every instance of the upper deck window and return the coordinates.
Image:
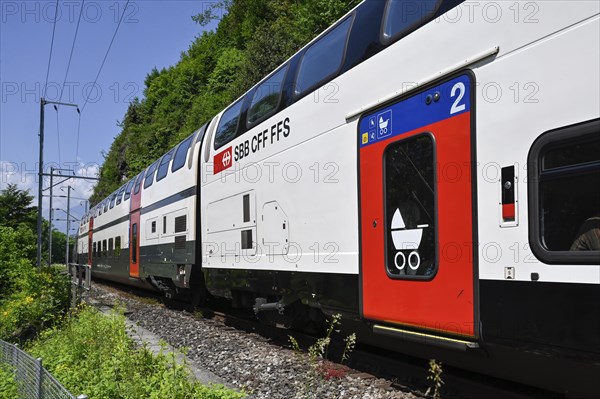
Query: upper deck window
(323, 59)
(150, 175)
(113, 198)
(228, 125)
(266, 97)
(120, 195)
(128, 189)
(164, 165)
(402, 16)
(138, 183)
(181, 154)
(564, 191)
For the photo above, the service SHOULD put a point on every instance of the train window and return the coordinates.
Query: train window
(564, 191)
(163, 168)
(138, 183)
(228, 125)
(150, 175)
(133, 243)
(153, 227)
(410, 208)
(266, 97)
(120, 195)
(402, 17)
(104, 248)
(106, 204)
(181, 154)
(128, 189)
(118, 246)
(110, 247)
(112, 201)
(164, 225)
(323, 59)
(94, 253)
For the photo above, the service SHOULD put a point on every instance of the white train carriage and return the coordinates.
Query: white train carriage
(477, 123)
(144, 233)
(442, 124)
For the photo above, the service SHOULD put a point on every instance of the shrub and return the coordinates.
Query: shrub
(8, 385)
(37, 300)
(28, 299)
(92, 354)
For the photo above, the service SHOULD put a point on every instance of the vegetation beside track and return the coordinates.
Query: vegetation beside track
(29, 299)
(91, 352)
(86, 351)
(8, 385)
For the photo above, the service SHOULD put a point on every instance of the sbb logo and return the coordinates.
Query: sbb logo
(222, 161)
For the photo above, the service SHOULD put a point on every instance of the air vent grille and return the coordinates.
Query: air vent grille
(180, 224)
(180, 242)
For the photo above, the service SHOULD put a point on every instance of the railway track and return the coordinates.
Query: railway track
(390, 370)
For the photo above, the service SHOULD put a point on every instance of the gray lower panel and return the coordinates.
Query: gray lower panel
(162, 260)
(335, 292)
(155, 260)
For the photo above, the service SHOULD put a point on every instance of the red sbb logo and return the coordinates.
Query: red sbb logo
(222, 161)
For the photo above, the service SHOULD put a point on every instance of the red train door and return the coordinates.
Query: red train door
(416, 211)
(90, 241)
(134, 228)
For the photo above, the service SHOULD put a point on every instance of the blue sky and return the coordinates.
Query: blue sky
(152, 34)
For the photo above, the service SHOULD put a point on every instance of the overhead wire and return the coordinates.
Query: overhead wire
(98, 75)
(106, 55)
(67, 74)
(72, 49)
(51, 48)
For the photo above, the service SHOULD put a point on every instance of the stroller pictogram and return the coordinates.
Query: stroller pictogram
(383, 126)
(406, 240)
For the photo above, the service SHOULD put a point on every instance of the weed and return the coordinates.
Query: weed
(435, 375)
(320, 368)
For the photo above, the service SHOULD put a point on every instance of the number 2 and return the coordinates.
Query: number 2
(460, 86)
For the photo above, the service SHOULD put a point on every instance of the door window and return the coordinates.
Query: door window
(410, 208)
(134, 240)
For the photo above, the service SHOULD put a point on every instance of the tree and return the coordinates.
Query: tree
(16, 208)
(18, 214)
(253, 37)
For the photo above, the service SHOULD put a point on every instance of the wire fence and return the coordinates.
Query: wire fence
(33, 380)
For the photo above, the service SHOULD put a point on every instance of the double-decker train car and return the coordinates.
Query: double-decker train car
(429, 169)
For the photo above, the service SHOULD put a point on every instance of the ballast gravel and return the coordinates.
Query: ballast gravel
(247, 362)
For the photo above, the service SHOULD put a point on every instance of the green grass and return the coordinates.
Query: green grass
(91, 354)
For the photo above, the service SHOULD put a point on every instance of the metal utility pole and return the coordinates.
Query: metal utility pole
(69, 188)
(50, 219)
(51, 211)
(40, 183)
(43, 102)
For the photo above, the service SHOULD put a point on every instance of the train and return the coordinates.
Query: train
(428, 169)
